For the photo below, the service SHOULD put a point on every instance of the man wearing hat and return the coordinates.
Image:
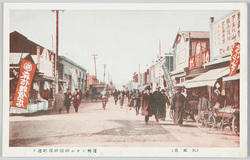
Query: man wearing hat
(156, 102)
(67, 99)
(178, 104)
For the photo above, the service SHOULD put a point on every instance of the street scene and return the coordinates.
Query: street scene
(113, 127)
(136, 78)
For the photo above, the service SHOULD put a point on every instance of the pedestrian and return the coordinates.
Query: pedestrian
(130, 100)
(156, 101)
(164, 101)
(67, 99)
(116, 94)
(76, 100)
(146, 109)
(87, 94)
(121, 99)
(137, 100)
(59, 101)
(80, 94)
(178, 104)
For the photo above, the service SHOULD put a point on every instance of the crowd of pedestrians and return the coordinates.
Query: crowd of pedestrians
(148, 102)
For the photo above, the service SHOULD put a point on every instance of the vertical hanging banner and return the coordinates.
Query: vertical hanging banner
(235, 59)
(205, 57)
(191, 64)
(198, 55)
(26, 74)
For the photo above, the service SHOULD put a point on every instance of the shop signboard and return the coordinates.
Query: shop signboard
(235, 59)
(191, 64)
(205, 57)
(26, 74)
(198, 55)
(225, 33)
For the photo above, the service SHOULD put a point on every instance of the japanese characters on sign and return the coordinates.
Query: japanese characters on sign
(26, 74)
(205, 57)
(225, 33)
(191, 64)
(198, 54)
(235, 59)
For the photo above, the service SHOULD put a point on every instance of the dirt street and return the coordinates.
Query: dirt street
(113, 127)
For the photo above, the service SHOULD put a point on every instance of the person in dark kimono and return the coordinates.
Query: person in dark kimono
(116, 94)
(164, 101)
(178, 104)
(157, 100)
(121, 99)
(137, 100)
(67, 100)
(146, 109)
(76, 100)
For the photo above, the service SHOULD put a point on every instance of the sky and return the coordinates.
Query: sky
(123, 40)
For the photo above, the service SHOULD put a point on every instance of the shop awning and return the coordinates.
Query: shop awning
(231, 78)
(207, 79)
(48, 78)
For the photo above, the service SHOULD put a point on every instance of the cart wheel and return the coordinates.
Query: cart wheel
(235, 125)
(205, 121)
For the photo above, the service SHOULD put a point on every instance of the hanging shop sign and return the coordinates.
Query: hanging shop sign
(225, 33)
(191, 64)
(198, 55)
(235, 59)
(205, 57)
(26, 74)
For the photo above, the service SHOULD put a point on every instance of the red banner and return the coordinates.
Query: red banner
(205, 57)
(26, 74)
(191, 63)
(235, 59)
(198, 54)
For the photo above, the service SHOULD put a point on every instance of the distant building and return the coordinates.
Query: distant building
(72, 73)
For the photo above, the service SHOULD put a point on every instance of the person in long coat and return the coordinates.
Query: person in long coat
(137, 100)
(67, 100)
(178, 104)
(157, 99)
(130, 100)
(121, 99)
(116, 94)
(76, 100)
(163, 103)
(146, 108)
(59, 101)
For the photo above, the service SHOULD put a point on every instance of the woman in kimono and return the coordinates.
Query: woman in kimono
(121, 99)
(76, 100)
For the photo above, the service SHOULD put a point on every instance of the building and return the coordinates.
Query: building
(188, 48)
(218, 76)
(22, 47)
(72, 73)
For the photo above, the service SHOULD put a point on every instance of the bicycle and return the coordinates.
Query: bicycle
(219, 118)
(104, 102)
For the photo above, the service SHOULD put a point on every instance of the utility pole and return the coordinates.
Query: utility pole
(108, 78)
(160, 63)
(95, 55)
(104, 67)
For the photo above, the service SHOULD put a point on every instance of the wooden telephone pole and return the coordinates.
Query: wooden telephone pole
(95, 55)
